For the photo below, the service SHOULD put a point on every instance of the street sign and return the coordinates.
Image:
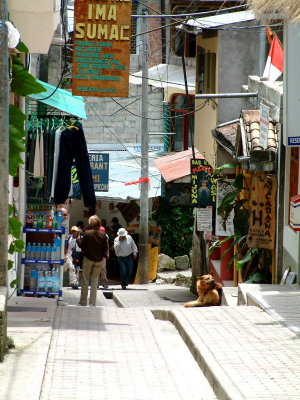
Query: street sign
(101, 48)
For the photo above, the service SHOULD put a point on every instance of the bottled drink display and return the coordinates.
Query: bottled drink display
(43, 250)
(43, 217)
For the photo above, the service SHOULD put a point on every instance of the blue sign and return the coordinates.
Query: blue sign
(294, 141)
(99, 163)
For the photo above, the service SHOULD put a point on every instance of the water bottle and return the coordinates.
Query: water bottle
(33, 252)
(59, 219)
(43, 251)
(55, 279)
(53, 252)
(28, 251)
(39, 252)
(48, 252)
(57, 242)
(34, 273)
(41, 280)
(48, 280)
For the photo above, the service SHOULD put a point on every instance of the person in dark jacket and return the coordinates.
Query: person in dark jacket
(94, 247)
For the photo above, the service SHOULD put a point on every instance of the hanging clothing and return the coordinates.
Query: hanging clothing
(37, 158)
(41, 138)
(73, 146)
(55, 158)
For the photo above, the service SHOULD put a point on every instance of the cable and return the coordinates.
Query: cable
(172, 16)
(161, 119)
(120, 142)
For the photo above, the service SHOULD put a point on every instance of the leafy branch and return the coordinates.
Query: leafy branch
(22, 83)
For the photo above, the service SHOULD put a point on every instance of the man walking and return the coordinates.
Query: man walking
(94, 247)
(126, 252)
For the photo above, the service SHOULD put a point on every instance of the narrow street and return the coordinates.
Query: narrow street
(152, 348)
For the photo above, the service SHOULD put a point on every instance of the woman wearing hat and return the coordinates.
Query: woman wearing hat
(126, 252)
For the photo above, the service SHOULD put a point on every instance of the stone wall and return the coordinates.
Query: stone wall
(3, 321)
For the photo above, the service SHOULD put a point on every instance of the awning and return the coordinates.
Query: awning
(166, 76)
(217, 21)
(62, 100)
(125, 167)
(176, 165)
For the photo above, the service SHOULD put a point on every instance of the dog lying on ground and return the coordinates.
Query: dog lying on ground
(209, 292)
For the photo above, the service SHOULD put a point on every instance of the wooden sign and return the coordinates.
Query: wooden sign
(262, 223)
(101, 51)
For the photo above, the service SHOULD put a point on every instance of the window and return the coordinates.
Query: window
(294, 171)
(183, 41)
(205, 71)
(182, 123)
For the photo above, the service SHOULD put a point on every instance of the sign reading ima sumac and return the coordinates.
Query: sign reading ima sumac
(262, 224)
(101, 52)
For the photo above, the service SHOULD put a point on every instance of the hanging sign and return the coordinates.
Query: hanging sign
(262, 223)
(264, 126)
(222, 190)
(204, 189)
(99, 163)
(101, 48)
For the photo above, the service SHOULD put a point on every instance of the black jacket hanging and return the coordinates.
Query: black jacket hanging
(73, 146)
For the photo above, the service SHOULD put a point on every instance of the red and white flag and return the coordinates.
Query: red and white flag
(274, 65)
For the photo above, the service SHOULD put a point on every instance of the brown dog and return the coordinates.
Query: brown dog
(208, 290)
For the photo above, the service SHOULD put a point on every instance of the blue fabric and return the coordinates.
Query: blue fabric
(126, 266)
(73, 146)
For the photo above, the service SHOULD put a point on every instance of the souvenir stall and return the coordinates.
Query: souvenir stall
(56, 152)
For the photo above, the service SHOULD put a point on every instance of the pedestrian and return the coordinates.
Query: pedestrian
(80, 226)
(103, 274)
(72, 251)
(115, 226)
(126, 252)
(93, 245)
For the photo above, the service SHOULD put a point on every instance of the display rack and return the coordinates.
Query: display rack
(53, 276)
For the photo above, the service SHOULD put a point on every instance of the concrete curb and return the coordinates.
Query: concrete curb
(211, 369)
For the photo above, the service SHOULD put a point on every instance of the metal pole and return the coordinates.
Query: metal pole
(4, 149)
(224, 95)
(144, 202)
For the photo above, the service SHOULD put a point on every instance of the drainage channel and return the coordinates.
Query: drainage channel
(182, 362)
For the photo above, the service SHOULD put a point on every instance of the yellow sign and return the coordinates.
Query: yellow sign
(101, 51)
